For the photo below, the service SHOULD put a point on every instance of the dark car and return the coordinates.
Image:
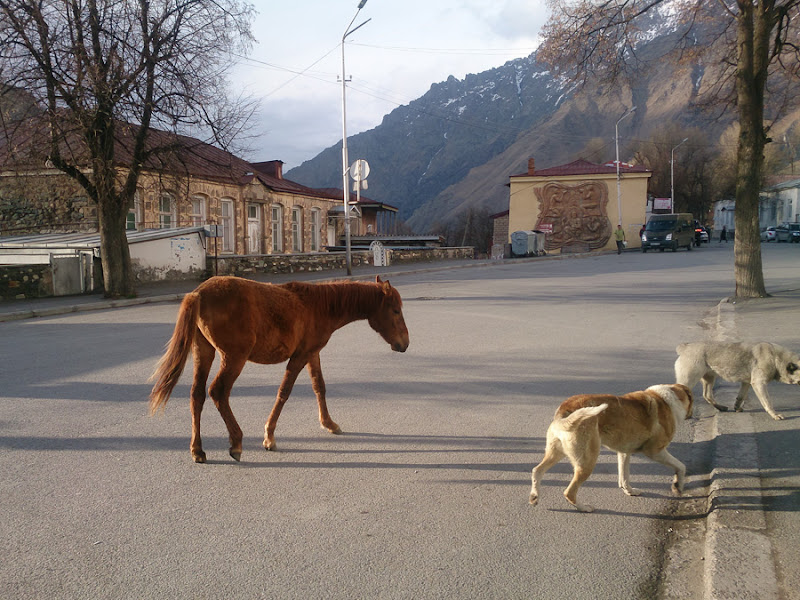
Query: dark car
(700, 234)
(788, 232)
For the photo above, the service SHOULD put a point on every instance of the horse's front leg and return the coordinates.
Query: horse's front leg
(289, 377)
(318, 385)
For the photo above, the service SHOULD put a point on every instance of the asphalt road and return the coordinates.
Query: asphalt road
(424, 495)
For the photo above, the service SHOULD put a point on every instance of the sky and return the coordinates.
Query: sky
(294, 70)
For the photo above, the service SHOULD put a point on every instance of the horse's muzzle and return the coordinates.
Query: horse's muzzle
(400, 346)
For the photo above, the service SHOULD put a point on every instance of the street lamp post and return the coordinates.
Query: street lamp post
(345, 191)
(672, 176)
(616, 143)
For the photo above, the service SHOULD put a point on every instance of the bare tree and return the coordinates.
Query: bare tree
(751, 50)
(107, 72)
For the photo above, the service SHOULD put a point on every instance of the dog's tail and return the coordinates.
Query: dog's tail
(580, 417)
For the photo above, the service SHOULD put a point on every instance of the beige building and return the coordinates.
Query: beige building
(577, 204)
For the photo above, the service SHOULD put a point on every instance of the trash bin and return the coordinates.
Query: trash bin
(523, 243)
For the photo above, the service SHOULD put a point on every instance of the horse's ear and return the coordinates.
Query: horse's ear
(385, 285)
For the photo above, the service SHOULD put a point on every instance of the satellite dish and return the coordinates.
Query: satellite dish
(359, 170)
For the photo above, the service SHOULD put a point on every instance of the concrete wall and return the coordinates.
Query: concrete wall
(176, 257)
(525, 207)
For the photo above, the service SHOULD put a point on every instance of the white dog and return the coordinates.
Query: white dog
(637, 422)
(752, 365)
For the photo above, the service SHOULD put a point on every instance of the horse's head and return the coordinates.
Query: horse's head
(388, 319)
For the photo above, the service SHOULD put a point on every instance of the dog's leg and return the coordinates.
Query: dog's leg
(665, 458)
(708, 390)
(741, 396)
(760, 388)
(580, 475)
(552, 455)
(624, 472)
(583, 455)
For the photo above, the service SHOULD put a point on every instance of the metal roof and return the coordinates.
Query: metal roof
(88, 240)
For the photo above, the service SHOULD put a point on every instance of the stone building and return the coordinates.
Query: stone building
(254, 209)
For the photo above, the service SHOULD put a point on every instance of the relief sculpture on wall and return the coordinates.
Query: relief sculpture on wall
(577, 214)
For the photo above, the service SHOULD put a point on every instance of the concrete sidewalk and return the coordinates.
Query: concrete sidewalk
(749, 547)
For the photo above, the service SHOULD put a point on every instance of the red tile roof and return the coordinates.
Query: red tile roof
(584, 167)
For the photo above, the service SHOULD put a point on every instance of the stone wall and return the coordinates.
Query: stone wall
(36, 281)
(41, 204)
(324, 261)
(25, 281)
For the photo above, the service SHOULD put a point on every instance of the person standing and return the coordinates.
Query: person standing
(619, 236)
(723, 235)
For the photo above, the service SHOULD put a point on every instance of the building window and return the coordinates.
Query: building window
(166, 217)
(226, 220)
(276, 225)
(197, 215)
(133, 221)
(316, 229)
(297, 229)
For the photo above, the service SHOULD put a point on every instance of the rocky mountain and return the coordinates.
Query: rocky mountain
(454, 148)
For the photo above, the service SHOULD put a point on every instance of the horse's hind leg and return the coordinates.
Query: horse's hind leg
(318, 385)
(203, 355)
(220, 392)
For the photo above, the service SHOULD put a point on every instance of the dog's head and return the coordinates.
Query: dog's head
(789, 372)
(787, 365)
(685, 397)
(678, 396)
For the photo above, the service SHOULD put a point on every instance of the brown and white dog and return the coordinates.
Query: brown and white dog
(642, 422)
(752, 365)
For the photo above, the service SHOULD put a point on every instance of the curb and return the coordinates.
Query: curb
(738, 552)
(736, 525)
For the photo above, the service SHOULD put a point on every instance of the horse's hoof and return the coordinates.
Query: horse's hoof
(270, 446)
(199, 457)
(336, 430)
(237, 456)
(721, 408)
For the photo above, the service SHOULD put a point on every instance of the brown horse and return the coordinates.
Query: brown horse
(267, 324)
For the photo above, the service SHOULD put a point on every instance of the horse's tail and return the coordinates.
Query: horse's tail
(169, 368)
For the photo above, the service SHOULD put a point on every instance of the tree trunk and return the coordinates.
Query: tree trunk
(751, 74)
(115, 255)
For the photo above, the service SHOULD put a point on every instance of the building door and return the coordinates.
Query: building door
(254, 228)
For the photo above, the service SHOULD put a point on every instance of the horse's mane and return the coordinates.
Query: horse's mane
(339, 297)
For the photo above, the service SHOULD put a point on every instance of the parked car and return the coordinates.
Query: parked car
(788, 232)
(768, 234)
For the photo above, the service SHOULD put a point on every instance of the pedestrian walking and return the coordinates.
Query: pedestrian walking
(619, 236)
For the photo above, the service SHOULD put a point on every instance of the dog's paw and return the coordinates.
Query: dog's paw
(778, 417)
(632, 491)
(677, 490)
(533, 500)
(587, 508)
